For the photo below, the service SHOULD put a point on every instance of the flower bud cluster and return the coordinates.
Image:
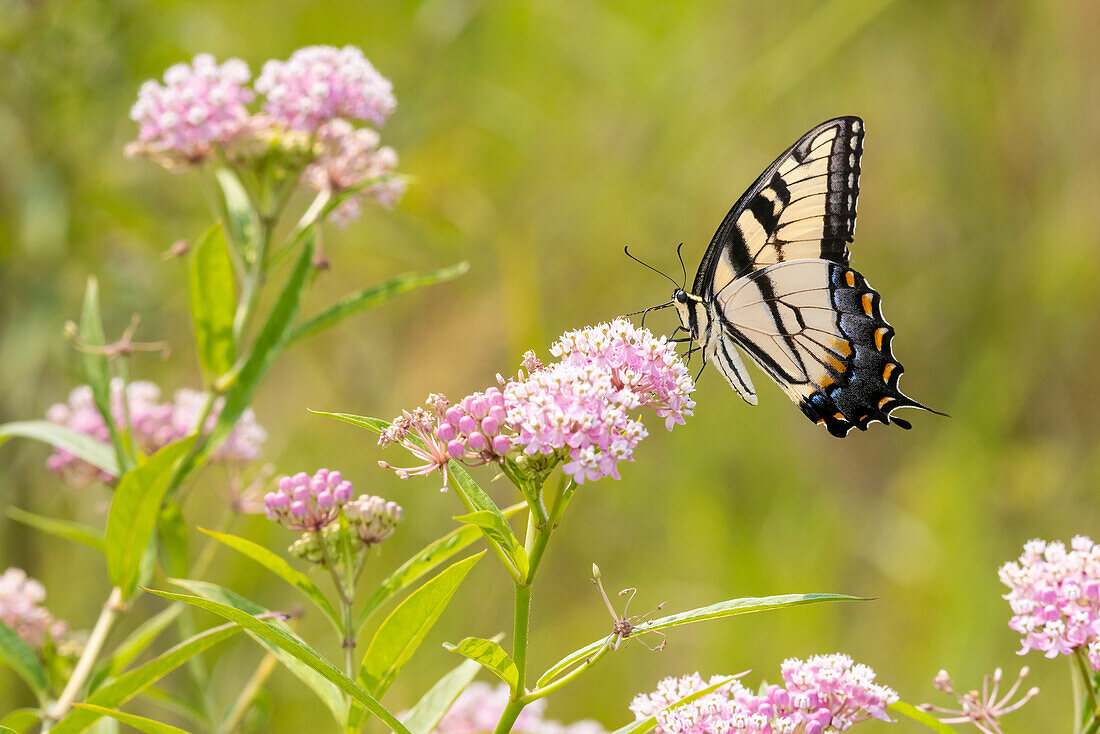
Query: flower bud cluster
(21, 609)
(1054, 593)
(373, 519)
(475, 429)
(308, 503)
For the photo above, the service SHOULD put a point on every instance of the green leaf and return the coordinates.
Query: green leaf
(137, 680)
(265, 350)
(746, 605)
(138, 722)
(491, 655)
(21, 658)
(401, 633)
(281, 568)
(134, 512)
(172, 540)
(80, 445)
(213, 302)
(430, 709)
(649, 723)
(243, 222)
(20, 720)
(324, 690)
(73, 531)
(493, 525)
(922, 717)
(421, 563)
(376, 295)
(280, 638)
(168, 702)
(6, 730)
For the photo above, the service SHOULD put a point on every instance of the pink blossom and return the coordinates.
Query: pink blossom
(824, 691)
(198, 105)
(307, 503)
(153, 424)
(21, 608)
(478, 708)
(416, 432)
(984, 710)
(351, 157)
(319, 83)
(1055, 596)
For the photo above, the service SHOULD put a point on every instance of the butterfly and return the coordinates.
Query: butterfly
(775, 283)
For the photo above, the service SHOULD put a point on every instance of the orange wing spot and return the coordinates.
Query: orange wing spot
(882, 403)
(868, 304)
(887, 371)
(842, 347)
(839, 416)
(836, 364)
(820, 421)
(850, 279)
(825, 382)
(880, 334)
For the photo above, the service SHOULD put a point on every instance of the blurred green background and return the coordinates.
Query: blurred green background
(543, 136)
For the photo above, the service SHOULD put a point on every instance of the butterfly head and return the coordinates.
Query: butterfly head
(682, 300)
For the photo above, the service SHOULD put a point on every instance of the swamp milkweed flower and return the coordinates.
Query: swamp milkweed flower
(578, 410)
(1055, 597)
(479, 706)
(307, 503)
(21, 609)
(822, 693)
(153, 424)
(983, 710)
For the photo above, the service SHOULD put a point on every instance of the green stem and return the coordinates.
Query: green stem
(248, 693)
(1092, 717)
(107, 617)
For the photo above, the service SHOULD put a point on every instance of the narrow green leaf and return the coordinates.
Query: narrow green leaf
(281, 568)
(497, 528)
(6, 730)
(361, 300)
(921, 717)
(275, 635)
(491, 656)
(243, 223)
(421, 563)
(20, 720)
(430, 709)
(21, 658)
(401, 633)
(746, 605)
(213, 302)
(134, 511)
(138, 722)
(168, 702)
(326, 691)
(80, 445)
(172, 540)
(641, 726)
(265, 350)
(137, 680)
(73, 531)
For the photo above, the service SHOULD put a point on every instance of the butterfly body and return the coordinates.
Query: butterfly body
(775, 283)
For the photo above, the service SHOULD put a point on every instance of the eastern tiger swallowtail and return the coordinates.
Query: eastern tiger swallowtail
(775, 283)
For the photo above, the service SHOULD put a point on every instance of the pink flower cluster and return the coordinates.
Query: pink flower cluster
(307, 503)
(582, 404)
(198, 105)
(318, 83)
(311, 100)
(153, 425)
(21, 608)
(578, 408)
(478, 708)
(824, 693)
(1055, 597)
(351, 157)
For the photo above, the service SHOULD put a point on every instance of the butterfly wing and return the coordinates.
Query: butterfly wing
(802, 206)
(816, 328)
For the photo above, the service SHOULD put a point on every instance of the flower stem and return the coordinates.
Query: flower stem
(1090, 717)
(107, 617)
(248, 693)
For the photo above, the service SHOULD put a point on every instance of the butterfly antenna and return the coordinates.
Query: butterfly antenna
(682, 266)
(647, 310)
(645, 264)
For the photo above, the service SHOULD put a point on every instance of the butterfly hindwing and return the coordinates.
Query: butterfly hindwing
(816, 328)
(802, 206)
